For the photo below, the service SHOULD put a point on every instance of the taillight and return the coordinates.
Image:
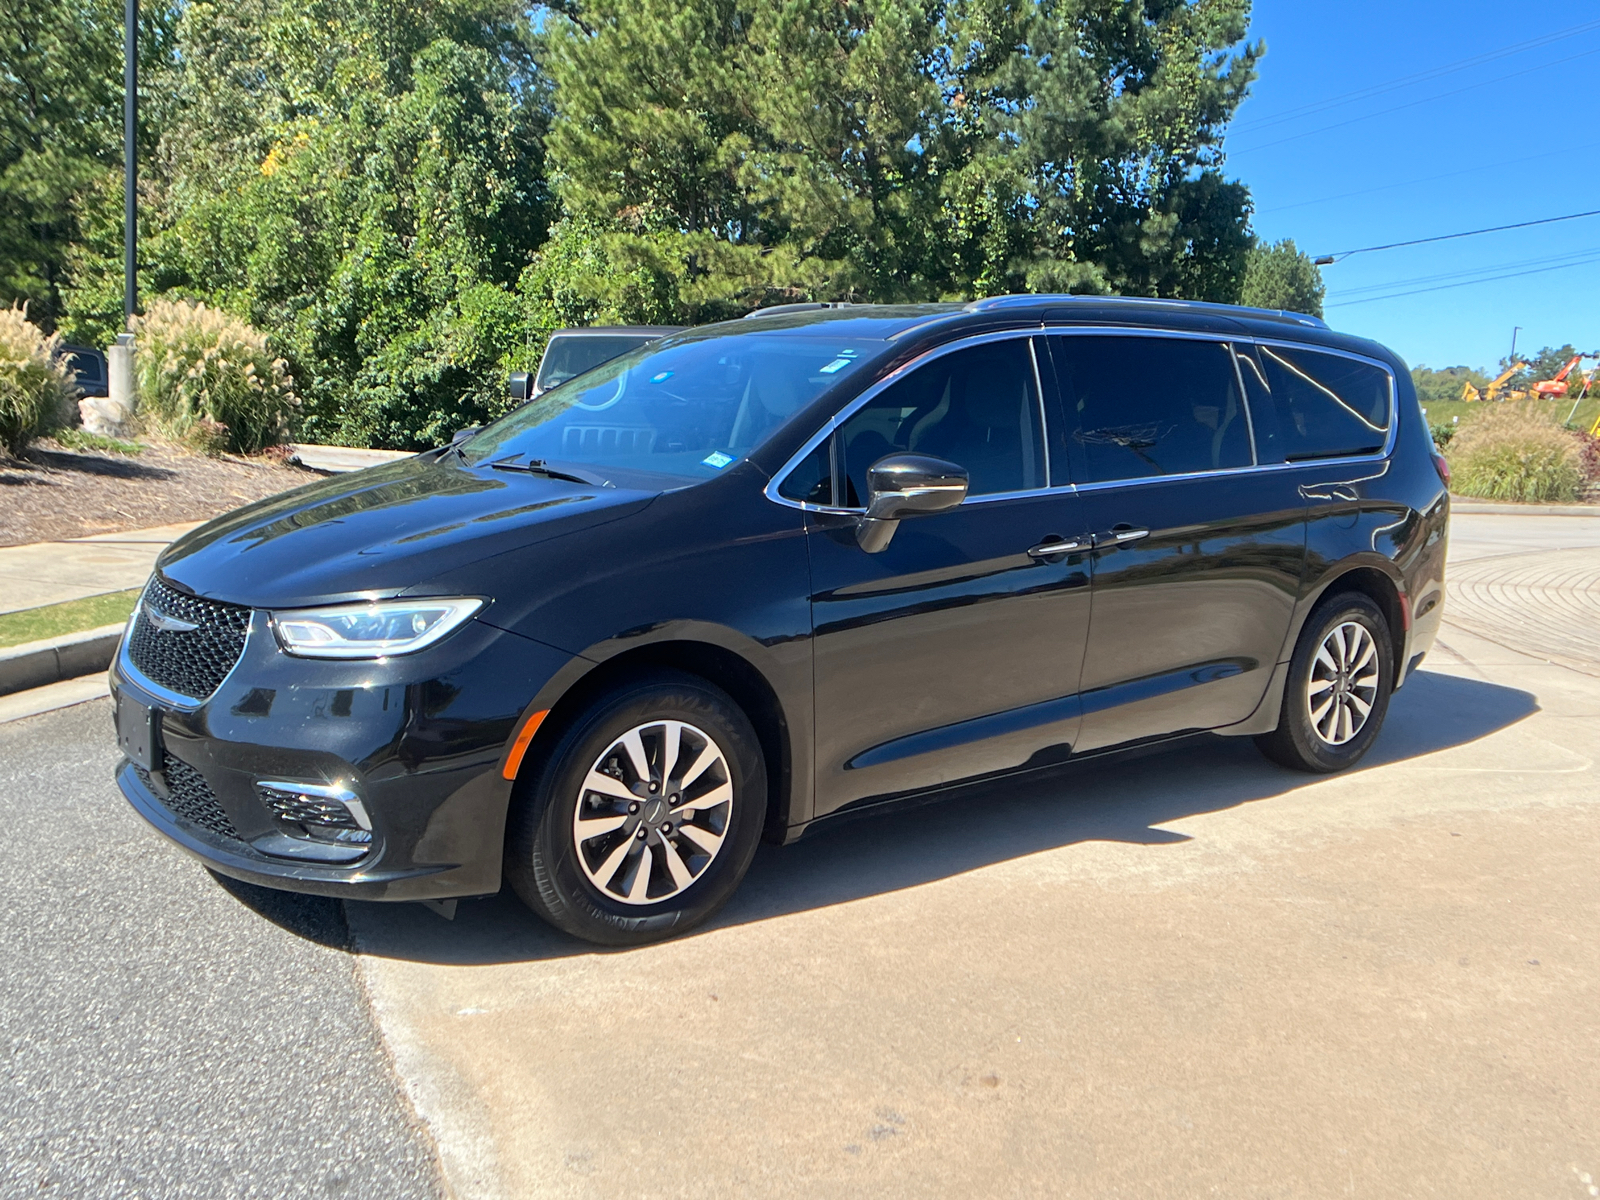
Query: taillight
(1443, 468)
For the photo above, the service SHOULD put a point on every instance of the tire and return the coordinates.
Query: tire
(1311, 737)
(587, 872)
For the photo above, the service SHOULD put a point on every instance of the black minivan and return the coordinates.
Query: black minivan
(772, 572)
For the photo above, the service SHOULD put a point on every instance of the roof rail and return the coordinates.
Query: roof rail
(801, 306)
(991, 303)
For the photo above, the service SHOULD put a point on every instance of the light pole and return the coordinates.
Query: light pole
(130, 159)
(111, 416)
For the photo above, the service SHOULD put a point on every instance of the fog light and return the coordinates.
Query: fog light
(322, 811)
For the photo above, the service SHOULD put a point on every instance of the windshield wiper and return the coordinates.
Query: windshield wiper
(538, 466)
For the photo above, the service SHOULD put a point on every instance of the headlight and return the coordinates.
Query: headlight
(380, 629)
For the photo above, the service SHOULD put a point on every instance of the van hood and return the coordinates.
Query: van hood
(378, 532)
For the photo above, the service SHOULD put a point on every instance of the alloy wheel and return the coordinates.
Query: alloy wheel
(653, 812)
(1344, 683)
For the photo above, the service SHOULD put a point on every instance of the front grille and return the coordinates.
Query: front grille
(191, 662)
(307, 810)
(190, 797)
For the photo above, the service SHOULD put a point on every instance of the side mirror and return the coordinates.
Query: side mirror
(463, 434)
(520, 385)
(906, 485)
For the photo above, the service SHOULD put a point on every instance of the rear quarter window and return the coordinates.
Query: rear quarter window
(1308, 405)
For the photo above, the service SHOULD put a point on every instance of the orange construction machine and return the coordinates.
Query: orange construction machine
(1550, 389)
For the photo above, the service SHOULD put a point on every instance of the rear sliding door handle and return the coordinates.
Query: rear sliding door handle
(1328, 491)
(1118, 534)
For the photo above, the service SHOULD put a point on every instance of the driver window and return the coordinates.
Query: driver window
(978, 408)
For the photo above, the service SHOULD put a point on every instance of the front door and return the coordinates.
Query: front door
(955, 652)
(1199, 550)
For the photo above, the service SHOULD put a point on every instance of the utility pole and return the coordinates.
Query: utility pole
(130, 159)
(1515, 329)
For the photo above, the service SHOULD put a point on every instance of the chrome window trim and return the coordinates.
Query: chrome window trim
(849, 410)
(827, 430)
(1234, 343)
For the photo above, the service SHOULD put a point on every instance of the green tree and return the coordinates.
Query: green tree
(61, 133)
(1096, 127)
(364, 179)
(903, 149)
(1278, 275)
(1435, 387)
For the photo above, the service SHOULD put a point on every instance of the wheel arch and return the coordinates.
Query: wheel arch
(1383, 589)
(717, 664)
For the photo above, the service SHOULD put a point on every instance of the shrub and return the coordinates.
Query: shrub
(36, 394)
(1517, 452)
(199, 369)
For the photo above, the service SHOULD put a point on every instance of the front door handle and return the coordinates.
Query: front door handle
(1054, 547)
(1118, 534)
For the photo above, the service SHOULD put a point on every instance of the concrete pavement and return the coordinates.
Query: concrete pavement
(1196, 974)
(53, 572)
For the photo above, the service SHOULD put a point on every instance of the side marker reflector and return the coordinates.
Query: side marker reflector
(520, 746)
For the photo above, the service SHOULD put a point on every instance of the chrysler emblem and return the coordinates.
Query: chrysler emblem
(168, 624)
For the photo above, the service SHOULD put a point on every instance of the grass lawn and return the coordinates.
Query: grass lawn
(32, 624)
(1440, 411)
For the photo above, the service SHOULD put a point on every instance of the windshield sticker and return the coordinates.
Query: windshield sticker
(717, 459)
(662, 377)
(840, 363)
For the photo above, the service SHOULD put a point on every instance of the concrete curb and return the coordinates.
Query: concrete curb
(50, 660)
(1487, 508)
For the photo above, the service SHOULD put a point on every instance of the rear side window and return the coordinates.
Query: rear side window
(1309, 405)
(1151, 406)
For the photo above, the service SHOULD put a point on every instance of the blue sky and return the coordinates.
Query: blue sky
(1518, 134)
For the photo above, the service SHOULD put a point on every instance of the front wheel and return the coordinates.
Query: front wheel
(1337, 693)
(644, 817)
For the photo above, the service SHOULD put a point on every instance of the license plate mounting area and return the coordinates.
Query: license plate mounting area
(139, 732)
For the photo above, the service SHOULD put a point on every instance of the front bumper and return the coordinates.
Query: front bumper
(418, 739)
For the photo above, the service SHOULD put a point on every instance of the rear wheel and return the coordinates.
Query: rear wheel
(1337, 694)
(644, 817)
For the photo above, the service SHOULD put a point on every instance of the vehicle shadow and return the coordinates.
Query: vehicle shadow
(973, 827)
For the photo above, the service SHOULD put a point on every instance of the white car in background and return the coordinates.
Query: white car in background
(571, 352)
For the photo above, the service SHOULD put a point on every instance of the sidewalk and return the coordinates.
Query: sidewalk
(54, 572)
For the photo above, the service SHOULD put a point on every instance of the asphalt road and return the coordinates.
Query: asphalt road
(160, 1037)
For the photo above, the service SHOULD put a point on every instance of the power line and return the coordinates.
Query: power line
(1379, 89)
(1389, 187)
(1323, 259)
(1382, 112)
(1561, 259)
(1469, 283)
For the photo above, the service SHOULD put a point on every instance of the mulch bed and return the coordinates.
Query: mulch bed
(54, 493)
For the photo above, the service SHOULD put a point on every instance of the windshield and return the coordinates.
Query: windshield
(685, 410)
